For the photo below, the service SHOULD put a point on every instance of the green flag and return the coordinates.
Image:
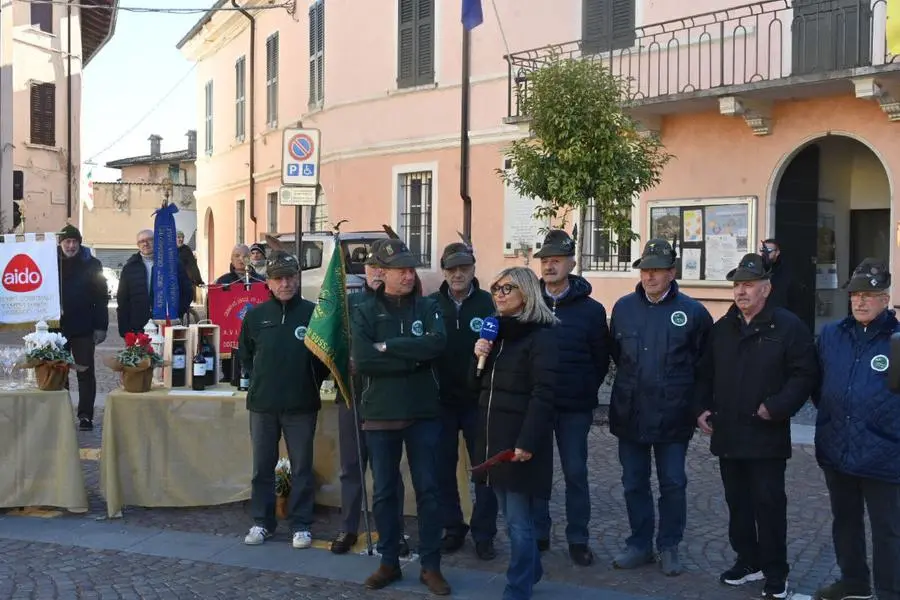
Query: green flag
(328, 334)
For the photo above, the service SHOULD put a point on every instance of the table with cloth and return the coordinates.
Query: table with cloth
(181, 449)
(39, 449)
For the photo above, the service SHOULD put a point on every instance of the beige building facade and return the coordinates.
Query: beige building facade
(43, 49)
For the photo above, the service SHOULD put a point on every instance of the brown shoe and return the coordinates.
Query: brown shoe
(435, 582)
(383, 577)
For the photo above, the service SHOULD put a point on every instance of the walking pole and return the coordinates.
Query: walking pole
(362, 470)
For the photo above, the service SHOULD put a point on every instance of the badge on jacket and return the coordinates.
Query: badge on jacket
(678, 318)
(880, 363)
(475, 324)
(418, 329)
(300, 333)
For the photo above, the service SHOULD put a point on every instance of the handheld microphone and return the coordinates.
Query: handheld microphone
(490, 328)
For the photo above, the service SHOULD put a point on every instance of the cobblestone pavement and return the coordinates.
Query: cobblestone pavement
(49, 572)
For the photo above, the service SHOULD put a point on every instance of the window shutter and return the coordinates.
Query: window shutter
(593, 25)
(313, 36)
(320, 48)
(425, 42)
(42, 16)
(622, 24)
(406, 74)
(607, 25)
(43, 114)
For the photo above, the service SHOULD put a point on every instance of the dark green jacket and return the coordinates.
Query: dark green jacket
(285, 376)
(399, 383)
(463, 325)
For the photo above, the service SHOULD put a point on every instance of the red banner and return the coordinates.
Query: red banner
(227, 306)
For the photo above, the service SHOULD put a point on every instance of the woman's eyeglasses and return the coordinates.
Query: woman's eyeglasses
(503, 290)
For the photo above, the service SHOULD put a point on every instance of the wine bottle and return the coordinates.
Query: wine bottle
(209, 356)
(198, 381)
(179, 364)
(244, 383)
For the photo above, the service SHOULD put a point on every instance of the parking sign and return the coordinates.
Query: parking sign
(300, 157)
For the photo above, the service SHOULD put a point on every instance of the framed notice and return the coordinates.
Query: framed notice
(29, 288)
(710, 235)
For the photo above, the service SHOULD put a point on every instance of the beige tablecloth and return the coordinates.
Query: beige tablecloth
(39, 450)
(161, 449)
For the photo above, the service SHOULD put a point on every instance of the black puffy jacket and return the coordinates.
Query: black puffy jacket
(84, 295)
(583, 342)
(516, 407)
(656, 348)
(133, 297)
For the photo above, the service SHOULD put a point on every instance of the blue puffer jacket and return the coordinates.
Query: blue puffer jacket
(656, 348)
(858, 425)
(583, 346)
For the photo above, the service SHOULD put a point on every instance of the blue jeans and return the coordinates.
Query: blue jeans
(385, 450)
(670, 474)
(571, 429)
(525, 568)
(484, 513)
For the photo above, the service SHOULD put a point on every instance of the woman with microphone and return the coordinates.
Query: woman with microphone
(516, 379)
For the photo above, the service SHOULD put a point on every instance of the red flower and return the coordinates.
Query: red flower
(130, 338)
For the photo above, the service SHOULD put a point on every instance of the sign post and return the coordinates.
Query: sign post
(300, 177)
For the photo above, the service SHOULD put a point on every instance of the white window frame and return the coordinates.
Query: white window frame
(398, 208)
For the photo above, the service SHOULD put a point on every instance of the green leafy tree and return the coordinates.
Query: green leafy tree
(583, 146)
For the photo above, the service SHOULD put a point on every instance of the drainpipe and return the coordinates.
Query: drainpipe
(69, 110)
(252, 95)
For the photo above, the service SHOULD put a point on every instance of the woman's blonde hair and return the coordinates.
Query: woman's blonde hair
(535, 309)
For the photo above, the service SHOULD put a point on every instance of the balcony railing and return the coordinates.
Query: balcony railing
(761, 42)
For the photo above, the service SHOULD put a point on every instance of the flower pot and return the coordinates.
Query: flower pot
(281, 508)
(51, 377)
(137, 382)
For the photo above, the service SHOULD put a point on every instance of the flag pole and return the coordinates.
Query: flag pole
(464, 132)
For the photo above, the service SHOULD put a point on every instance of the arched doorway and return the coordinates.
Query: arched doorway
(209, 230)
(832, 209)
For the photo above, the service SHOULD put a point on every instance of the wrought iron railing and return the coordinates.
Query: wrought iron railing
(760, 42)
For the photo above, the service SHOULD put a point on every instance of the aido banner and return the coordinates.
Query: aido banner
(29, 279)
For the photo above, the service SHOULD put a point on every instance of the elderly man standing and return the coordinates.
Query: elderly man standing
(283, 400)
(239, 269)
(583, 363)
(397, 336)
(857, 442)
(658, 336)
(258, 259)
(758, 369)
(465, 306)
(134, 297)
(85, 316)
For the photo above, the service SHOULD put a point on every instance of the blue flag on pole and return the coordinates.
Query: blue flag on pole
(472, 15)
(164, 282)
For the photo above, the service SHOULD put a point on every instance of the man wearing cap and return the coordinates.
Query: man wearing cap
(351, 441)
(283, 400)
(464, 305)
(857, 442)
(258, 259)
(658, 336)
(758, 369)
(583, 363)
(85, 316)
(397, 336)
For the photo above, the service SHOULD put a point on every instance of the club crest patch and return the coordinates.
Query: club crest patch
(678, 318)
(418, 329)
(300, 333)
(880, 363)
(475, 324)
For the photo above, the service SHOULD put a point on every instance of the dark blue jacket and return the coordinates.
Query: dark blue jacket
(656, 348)
(133, 297)
(583, 346)
(858, 424)
(84, 293)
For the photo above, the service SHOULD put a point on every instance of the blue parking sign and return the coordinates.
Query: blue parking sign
(309, 170)
(293, 169)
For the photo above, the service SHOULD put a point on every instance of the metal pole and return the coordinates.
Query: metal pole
(298, 241)
(464, 135)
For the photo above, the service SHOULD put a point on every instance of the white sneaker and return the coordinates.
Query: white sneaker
(302, 540)
(257, 536)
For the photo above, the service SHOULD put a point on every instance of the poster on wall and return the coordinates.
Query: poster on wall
(227, 306)
(722, 255)
(693, 226)
(30, 279)
(690, 263)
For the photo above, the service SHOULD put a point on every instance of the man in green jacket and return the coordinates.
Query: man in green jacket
(464, 306)
(397, 336)
(283, 400)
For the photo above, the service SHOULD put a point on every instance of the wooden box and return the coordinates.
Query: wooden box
(195, 332)
(172, 334)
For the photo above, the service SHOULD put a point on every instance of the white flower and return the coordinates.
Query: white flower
(45, 339)
(284, 464)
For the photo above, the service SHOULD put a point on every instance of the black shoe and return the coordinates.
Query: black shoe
(343, 542)
(485, 550)
(85, 424)
(740, 574)
(543, 545)
(581, 555)
(841, 590)
(775, 588)
(404, 547)
(454, 538)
